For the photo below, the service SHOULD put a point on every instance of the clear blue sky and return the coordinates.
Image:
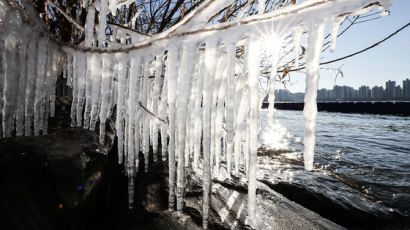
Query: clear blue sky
(388, 61)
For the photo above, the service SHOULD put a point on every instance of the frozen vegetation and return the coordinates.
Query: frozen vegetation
(185, 84)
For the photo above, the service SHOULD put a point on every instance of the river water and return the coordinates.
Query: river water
(360, 159)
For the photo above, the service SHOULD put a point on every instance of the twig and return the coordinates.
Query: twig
(151, 113)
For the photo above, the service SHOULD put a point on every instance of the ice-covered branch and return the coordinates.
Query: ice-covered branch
(68, 17)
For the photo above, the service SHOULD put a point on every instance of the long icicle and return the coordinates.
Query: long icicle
(184, 84)
(253, 71)
(210, 63)
(315, 40)
(171, 75)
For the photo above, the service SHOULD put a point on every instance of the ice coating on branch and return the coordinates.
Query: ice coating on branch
(261, 6)
(89, 26)
(102, 22)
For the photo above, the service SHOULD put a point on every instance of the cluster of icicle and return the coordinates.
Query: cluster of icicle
(29, 66)
(188, 90)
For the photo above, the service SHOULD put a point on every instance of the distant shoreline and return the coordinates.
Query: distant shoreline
(368, 107)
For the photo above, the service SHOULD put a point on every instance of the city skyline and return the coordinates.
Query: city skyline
(390, 91)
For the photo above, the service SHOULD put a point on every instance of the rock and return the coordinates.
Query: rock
(48, 177)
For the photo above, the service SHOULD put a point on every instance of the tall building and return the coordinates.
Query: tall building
(377, 93)
(339, 93)
(390, 88)
(406, 89)
(350, 93)
(282, 95)
(364, 92)
(322, 95)
(397, 93)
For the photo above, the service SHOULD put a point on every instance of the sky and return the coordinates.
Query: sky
(387, 61)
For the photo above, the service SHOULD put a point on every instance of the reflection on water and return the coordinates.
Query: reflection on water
(368, 153)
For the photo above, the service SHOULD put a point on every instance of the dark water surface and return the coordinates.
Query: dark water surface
(368, 153)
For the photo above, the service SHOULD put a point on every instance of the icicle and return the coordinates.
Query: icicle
(113, 7)
(315, 40)
(96, 76)
(210, 67)
(297, 35)
(220, 79)
(155, 105)
(30, 85)
(106, 92)
(231, 52)
(172, 76)
(91, 58)
(189, 55)
(197, 109)
(81, 67)
(272, 80)
(41, 72)
(253, 78)
(23, 79)
(261, 6)
(70, 65)
(12, 24)
(335, 27)
(133, 97)
(242, 95)
(57, 59)
(122, 84)
(163, 114)
(102, 22)
(216, 86)
(146, 118)
(45, 107)
(89, 26)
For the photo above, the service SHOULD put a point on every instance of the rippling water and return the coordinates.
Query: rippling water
(368, 153)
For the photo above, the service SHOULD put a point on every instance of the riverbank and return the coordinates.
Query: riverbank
(372, 107)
